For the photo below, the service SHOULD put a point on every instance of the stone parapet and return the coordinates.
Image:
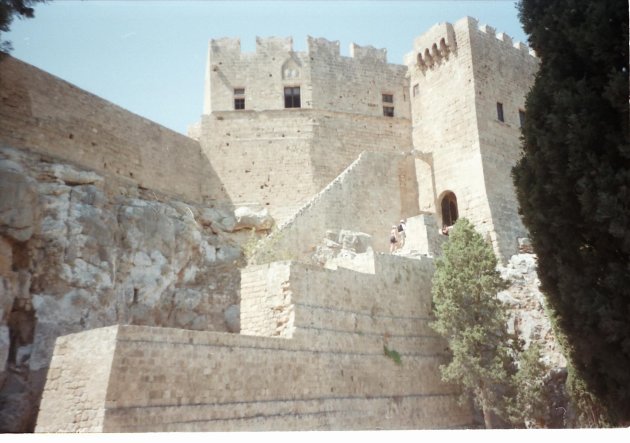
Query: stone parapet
(46, 115)
(165, 380)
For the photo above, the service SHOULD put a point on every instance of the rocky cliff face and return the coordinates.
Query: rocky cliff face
(80, 251)
(529, 319)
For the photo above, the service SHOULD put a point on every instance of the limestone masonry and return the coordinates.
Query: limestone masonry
(240, 278)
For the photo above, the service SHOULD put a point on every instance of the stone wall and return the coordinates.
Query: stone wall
(339, 138)
(280, 159)
(458, 75)
(263, 74)
(330, 370)
(288, 299)
(504, 72)
(166, 380)
(327, 80)
(262, 158)
(444, 120)
(88, 357)
(356, 84)
(369, 196)
(422, 236)
(45, 114)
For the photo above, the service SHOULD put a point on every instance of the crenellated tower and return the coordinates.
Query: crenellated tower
(279, 125)
(468, 87)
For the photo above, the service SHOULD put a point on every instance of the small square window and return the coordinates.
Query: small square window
(500, 112)
(292, 97)
(388, 111)
(388, 98)
(521, 117)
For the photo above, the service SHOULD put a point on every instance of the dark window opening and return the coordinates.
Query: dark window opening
(449, 209)
(500, 112)
(388, 105)
(239, 98)
(521, 117)
(292, 97)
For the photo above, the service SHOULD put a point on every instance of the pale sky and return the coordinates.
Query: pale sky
(149, 56)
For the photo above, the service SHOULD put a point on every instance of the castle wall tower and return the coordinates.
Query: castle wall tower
(280, 125)
(468, 87)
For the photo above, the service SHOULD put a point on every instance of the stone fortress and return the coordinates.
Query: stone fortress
(124, 247)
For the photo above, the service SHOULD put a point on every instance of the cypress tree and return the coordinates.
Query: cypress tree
(473, 321)
(573, 185)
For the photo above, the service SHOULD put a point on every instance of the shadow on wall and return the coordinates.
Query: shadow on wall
(355, 201)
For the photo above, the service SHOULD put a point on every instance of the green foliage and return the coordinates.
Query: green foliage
(573, 186)
(473, 320)
(10, 9)
(532, 402)
(394, 355)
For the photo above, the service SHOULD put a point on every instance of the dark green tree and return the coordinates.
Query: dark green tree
(573, 185)
(8, 10)
(473, 321)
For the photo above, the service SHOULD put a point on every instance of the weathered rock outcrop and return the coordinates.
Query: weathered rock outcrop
(526, 305)
(529, 319)
(79, 251)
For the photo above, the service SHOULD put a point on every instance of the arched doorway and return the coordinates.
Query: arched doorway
(449, 209)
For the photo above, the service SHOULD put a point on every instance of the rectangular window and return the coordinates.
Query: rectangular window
(239, 98)
(500, 112)
(388, 105)
(521, 117)
(416, 89)
(292, 97)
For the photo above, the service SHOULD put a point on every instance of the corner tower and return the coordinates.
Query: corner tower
(467, 88)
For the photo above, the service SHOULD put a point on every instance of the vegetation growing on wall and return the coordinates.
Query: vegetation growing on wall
(573, 187)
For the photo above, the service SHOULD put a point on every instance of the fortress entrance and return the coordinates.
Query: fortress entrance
(449, 209)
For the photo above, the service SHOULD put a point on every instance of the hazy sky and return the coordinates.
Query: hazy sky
(149, 56)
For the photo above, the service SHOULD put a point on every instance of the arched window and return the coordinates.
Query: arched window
(449, 209)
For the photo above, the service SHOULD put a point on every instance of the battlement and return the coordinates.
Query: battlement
(317, 46)
(500, 36)
(321, 46)
(368, 53)
(434, 46)
(225, 46)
